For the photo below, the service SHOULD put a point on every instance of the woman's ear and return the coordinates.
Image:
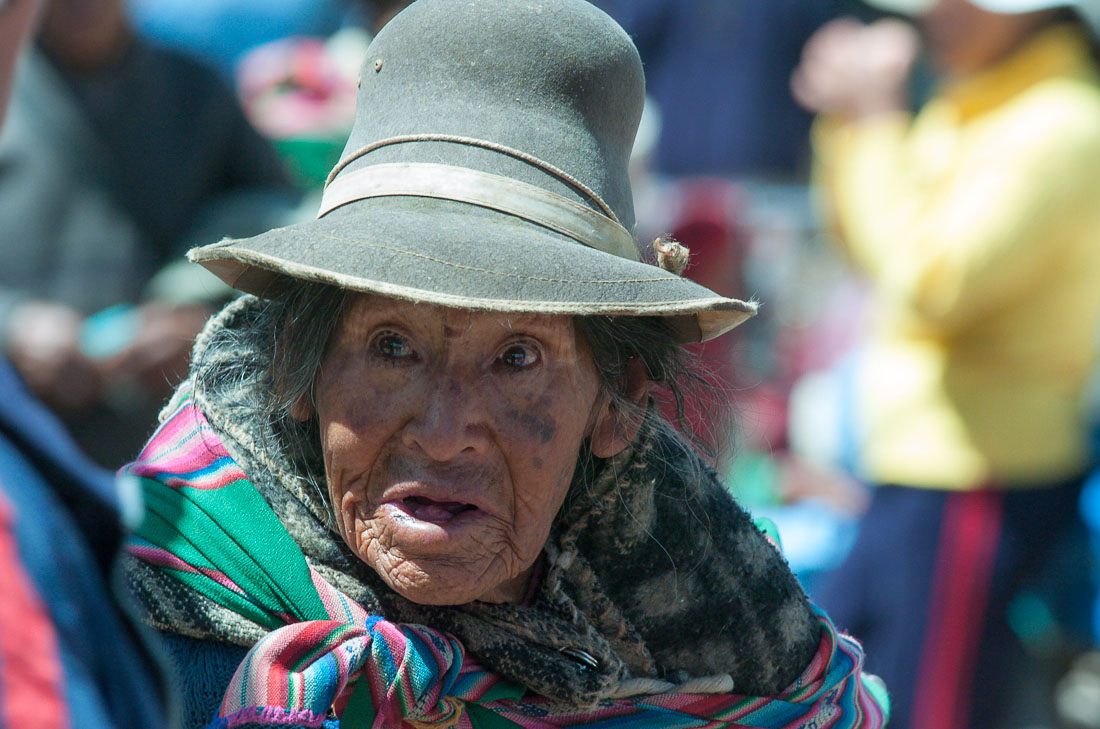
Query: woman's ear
(617, 423)
(302, 409)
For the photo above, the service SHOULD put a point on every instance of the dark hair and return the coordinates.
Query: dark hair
(682, 383)
(303, 315)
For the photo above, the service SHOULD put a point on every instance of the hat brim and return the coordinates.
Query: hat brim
(457, 255)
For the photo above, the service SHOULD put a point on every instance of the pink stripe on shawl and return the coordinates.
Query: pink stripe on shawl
(184, 451)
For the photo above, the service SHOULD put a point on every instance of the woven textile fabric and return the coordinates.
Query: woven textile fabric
(209, 528)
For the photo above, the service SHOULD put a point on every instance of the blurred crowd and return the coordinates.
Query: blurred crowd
(911, 188)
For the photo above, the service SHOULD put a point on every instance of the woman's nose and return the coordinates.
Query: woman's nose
(450, 421)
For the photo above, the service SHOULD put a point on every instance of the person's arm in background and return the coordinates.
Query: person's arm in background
(40, 338)
(948, 239)
(242, 189)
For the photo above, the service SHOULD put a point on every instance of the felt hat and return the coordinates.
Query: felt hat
(1088, 10)
(487, 169)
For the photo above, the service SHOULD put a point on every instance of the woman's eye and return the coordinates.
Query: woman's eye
(392, 345)
(519, 356)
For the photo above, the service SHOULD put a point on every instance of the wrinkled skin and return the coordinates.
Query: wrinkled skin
(450, 438)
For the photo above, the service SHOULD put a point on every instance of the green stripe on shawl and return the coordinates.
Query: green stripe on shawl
(483, 718)
(360, 712)
(233, 528)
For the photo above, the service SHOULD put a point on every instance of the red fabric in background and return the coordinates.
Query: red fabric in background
(708, 222)
(31, 686)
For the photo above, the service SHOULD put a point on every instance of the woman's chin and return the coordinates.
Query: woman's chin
(430, 565)
(432, 584)
(438, 559)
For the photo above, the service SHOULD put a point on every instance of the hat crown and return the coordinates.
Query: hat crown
(487, 170)
(557, 80)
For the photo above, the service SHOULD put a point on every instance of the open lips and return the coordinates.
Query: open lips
(426, 509)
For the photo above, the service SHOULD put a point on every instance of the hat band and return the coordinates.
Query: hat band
(474, 187)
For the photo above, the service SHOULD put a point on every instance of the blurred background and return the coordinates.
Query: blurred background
(140, 129)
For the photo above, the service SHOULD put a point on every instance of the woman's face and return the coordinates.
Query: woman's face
(450, 439)
(963, 39)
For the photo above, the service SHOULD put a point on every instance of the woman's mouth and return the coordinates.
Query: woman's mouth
(436, 512)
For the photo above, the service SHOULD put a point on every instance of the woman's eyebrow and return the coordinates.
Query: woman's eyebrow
(524, 321)
(450, 331)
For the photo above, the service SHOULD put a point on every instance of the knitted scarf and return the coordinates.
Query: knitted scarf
(656, 585)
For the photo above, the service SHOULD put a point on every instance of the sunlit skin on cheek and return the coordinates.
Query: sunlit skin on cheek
(450, 438)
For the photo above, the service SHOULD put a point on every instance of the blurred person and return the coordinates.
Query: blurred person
(717, 71)
(68, 657)
(224, 32)
(221, 32)
(299, 91)
(732, 142)
(116, 155)
(976, 223)
(380, 12)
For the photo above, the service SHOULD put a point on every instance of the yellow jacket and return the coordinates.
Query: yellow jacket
(978, 225)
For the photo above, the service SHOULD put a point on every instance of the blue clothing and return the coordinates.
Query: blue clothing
(37, 448)
(929, 589)
(66, 528)
(221, 31)
(204, 668)
(719, 72)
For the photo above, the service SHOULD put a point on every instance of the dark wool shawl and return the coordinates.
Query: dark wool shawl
(651, 571)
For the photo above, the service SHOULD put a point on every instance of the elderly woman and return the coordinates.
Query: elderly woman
(417, 473)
